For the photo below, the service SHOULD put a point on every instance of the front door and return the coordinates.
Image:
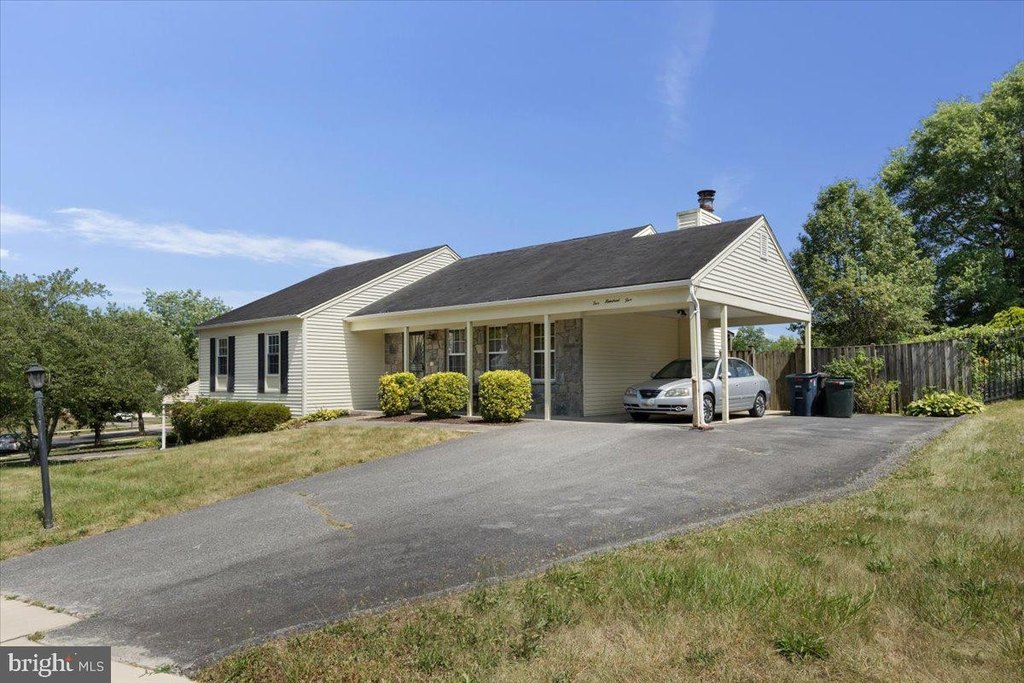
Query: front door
(417, 353)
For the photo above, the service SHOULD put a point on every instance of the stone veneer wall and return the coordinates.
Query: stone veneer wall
(393, 353)
(566, 385)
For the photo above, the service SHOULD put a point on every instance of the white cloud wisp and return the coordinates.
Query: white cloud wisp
(111, 230)
(681, 65)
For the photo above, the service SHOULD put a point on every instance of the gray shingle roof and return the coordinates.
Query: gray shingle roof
(612, 259)
(314, 291)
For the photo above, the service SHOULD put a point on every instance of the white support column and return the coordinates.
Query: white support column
(469, 366)
(807, 346)
(724, 355)
(547, 367)
(405, 349)
(698, 396)
(163, 426)
(696, 381)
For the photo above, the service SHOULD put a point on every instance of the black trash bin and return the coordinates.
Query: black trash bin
(839, 396)
(803, 393)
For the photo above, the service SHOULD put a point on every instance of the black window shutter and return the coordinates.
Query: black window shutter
(213, 364)
(261, 369)
(231, 363)
(284, 362)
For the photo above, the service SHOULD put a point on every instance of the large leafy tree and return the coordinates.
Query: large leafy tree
(154, 356)
(183, 310)
(860, 265)
(961, 181)
(45, 321)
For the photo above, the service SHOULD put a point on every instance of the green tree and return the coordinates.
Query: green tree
(960, 179)
(750, 338)
(860, 265)
(45, 321)
(182, 311)
(158, 362)
(785, 343)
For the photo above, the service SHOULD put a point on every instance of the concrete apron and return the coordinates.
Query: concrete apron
(19, 620)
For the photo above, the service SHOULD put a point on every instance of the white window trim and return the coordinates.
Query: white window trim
(268, 354)
(221, 379)
(449, 354)
(226, 356)
(497, 353)
(535, 352)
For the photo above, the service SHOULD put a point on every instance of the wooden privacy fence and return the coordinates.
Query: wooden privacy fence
(944, 365)
(775, 365)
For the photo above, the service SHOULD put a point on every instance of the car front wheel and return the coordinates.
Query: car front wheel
(760, 404)
(709, 408)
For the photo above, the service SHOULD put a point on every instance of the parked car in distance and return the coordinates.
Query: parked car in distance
(669, 390)
(124, 417)
(11, 443)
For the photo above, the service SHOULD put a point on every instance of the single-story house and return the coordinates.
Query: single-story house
(583, 317)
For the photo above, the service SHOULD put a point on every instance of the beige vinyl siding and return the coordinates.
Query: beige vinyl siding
(744, 273)
(342, 366)
(619, 350)
(711, 338)
(246, 363)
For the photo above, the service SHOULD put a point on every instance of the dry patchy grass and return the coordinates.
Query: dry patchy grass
(919, 578)
(92, 497)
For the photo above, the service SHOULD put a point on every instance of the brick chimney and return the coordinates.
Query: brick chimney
(702, 215)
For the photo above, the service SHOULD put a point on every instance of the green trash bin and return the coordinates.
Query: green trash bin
(839, 396)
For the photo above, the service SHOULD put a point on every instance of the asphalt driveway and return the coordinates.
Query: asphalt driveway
(194, 586)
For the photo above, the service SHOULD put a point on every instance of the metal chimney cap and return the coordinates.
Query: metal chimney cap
(706, 199)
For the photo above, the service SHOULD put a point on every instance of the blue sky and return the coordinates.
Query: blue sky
(238, 148)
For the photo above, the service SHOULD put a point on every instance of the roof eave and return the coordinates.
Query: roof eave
(525, 300)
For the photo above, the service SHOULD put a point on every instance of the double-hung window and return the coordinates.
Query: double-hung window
(497, 348)
(538, 351)
(273, 361)
(457, 351)
(222, 356)
(222, 363)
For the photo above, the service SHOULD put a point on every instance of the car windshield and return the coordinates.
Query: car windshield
(680, 369)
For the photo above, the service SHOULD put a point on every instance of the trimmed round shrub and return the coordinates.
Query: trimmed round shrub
(264, 417)
(944, 404)
(207, 418)
(443, 393)
(396, 392)
(505, 395)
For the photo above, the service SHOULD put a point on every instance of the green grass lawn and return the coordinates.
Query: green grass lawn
(919, 578)
(96, 496)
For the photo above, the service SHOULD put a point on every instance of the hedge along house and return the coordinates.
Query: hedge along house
(584, 317)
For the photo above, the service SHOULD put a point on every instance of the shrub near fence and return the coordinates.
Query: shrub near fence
(988, 366)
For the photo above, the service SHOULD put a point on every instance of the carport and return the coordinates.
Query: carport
(587, 317)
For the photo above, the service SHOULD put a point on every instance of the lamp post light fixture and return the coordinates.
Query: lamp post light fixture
(36, 379)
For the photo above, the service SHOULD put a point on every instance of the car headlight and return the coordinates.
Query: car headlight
(631, 391)
(678, 391)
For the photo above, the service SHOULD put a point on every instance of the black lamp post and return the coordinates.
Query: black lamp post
(36, 379)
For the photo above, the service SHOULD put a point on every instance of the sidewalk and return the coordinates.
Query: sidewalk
(19, 620)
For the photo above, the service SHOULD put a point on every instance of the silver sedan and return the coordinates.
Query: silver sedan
(669, 391)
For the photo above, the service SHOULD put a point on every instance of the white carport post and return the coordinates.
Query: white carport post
(547, 366)
(696, 366)
(405, 349)
(724, 355)
(807, 346)
(163, 426)
(469, 366)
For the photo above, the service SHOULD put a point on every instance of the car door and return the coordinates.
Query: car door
(745, 383)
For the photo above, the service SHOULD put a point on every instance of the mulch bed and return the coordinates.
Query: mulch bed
(457, 420)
